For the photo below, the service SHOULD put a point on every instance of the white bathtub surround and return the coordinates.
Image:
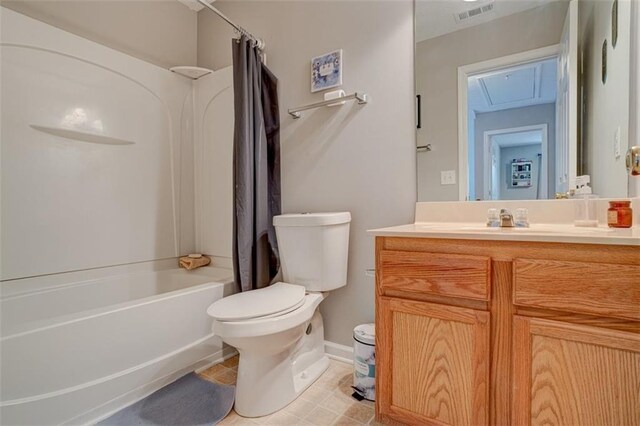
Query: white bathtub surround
(73, 353)
(49, 282)
(83, 201)
(278, 330)
(213, 167)
(94, 314)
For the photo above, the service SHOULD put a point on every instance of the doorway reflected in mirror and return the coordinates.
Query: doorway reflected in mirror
(510, 110)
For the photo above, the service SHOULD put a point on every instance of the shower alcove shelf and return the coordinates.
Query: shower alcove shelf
(193, 73)
(362, 99)
(81, 136)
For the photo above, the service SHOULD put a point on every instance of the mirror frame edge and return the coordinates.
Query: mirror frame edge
(633, 185)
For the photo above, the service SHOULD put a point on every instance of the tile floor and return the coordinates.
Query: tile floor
(327, 402)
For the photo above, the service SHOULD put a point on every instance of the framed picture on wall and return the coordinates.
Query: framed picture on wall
(521, 174)
(326, 71)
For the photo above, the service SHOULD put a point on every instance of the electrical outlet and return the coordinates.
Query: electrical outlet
(448, 177)
(617, 150)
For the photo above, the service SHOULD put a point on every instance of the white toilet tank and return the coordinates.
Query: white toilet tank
(314, 249)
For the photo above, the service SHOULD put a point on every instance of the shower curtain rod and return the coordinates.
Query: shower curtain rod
(258, 41)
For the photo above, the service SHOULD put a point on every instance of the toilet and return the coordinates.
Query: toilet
(278, 330)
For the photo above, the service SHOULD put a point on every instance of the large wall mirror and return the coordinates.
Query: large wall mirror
(515, 98)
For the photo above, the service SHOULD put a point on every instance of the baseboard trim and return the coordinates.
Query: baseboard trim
(339, 352)
(227, 352)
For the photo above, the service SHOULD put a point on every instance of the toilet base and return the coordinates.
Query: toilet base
(268, 383)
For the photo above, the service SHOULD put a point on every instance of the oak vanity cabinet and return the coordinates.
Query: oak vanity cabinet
(439, 371)
(567, 374)
(506, 333)
(580, 366)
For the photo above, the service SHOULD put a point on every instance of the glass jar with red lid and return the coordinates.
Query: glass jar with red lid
(620, 214)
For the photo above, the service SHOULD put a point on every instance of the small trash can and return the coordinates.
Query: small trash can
(364, 361)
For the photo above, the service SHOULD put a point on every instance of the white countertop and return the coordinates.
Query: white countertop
(552, 233)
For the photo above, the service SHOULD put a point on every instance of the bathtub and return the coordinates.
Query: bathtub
(76, 347)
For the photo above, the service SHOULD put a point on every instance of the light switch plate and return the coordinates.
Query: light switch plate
(448, 177)
(616, 144)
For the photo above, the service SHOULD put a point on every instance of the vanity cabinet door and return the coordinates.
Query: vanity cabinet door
(432, 363)
(566, 374)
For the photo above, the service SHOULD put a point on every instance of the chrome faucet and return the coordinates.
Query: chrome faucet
(506, 219)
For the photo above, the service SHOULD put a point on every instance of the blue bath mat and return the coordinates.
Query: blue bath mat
(188, 401)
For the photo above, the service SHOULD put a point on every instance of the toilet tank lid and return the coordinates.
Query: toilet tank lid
(312, 219)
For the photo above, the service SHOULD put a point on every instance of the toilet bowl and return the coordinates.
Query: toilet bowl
(278, 330)
(280, 354)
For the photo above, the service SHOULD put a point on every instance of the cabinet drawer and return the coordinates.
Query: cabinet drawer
(601, 289)
(452, 275)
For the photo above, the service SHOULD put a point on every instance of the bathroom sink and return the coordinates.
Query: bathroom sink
(534, 229)
(541, 229)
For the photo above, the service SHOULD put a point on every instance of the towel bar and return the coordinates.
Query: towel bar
(360, 97)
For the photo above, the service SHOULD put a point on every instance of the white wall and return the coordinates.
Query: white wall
(437, 62)
(355, 158)
(606, 105)
(163, 32)
(516, 117)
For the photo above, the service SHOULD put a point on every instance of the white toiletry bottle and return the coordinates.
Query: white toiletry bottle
(585, 203)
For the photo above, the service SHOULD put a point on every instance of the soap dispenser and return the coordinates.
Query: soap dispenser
(585, 202)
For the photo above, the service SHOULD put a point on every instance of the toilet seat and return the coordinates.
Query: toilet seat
(275, 300)
(269, 325)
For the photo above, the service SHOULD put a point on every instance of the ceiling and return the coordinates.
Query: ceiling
(438, 17)
(513, 87)
(193, 4)
(507, 140)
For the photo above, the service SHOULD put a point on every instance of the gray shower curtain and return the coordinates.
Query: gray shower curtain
(256, 168)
